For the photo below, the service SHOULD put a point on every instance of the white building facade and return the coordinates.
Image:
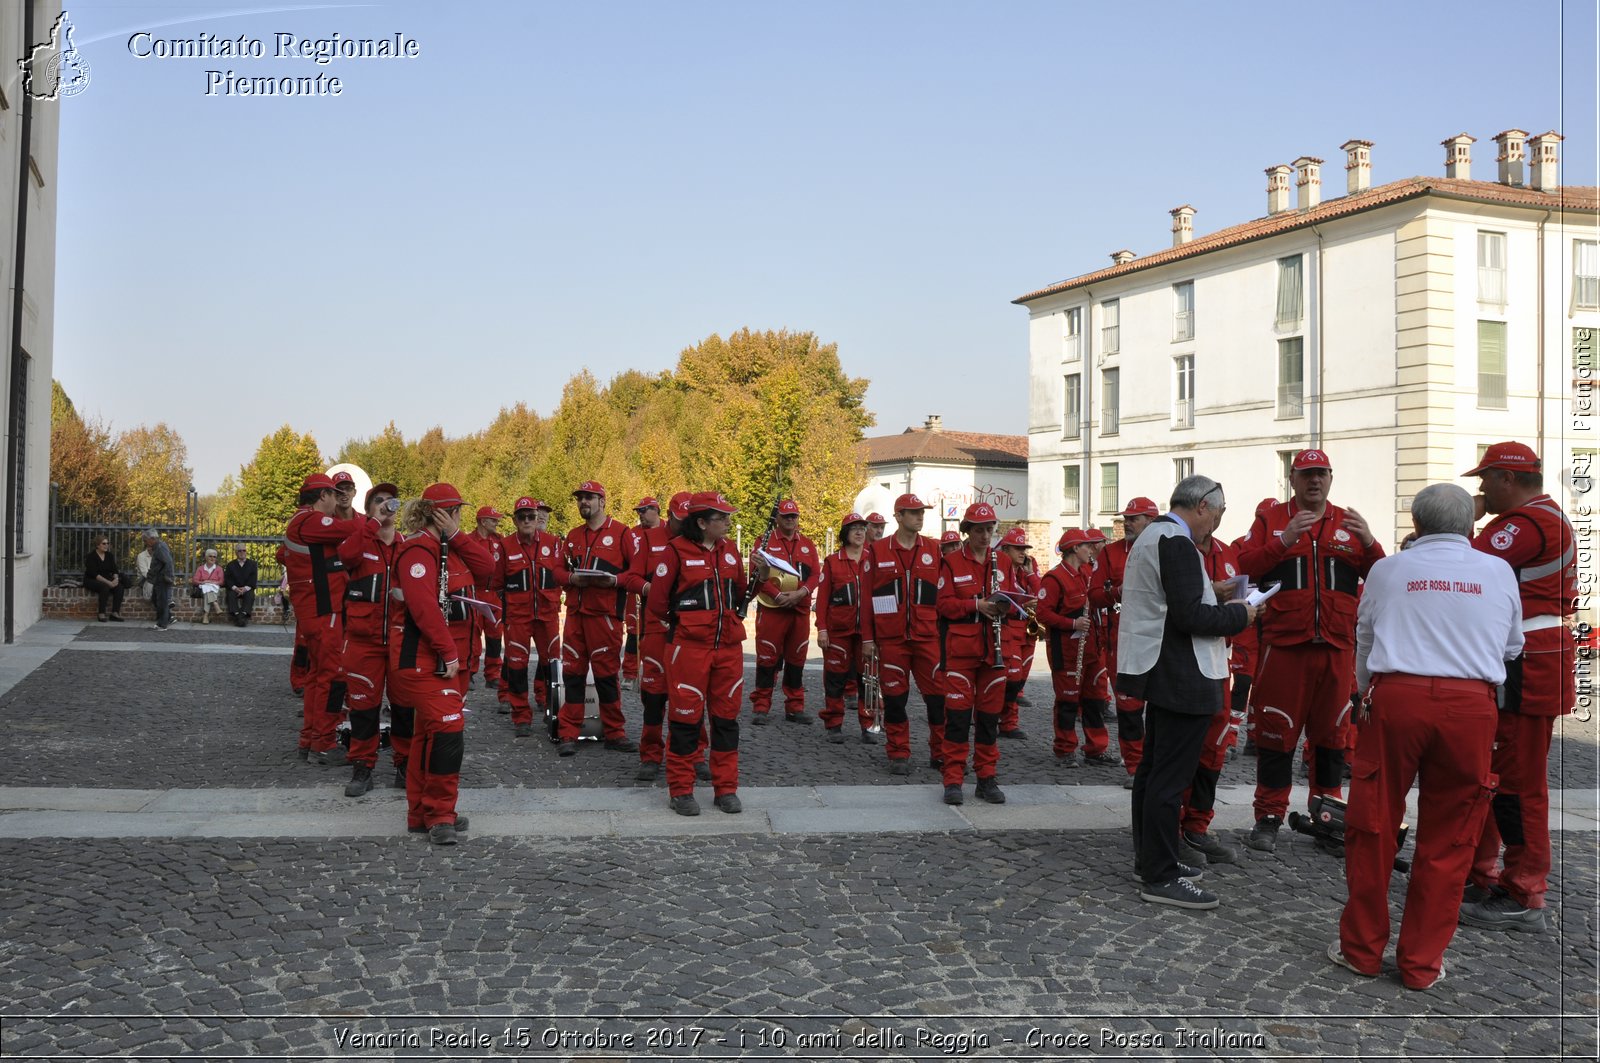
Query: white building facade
(947, 470)
(1401, 328)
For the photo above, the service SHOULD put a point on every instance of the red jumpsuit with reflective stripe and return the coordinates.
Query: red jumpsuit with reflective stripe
(975, 690)
(368, 561)
(903, 583)
(697, 589)
(847, 618)
(784, 635)
(316, 586)
(1538, 543)
(593, 634)
(490, 640)
(1199, 801)
(1065, 599)
(525, 578)
(649, 549)
(1105, 598)
(1019, 646)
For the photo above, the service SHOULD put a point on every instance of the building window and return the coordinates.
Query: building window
(1286, 472)
(1109, 488)
(1182, 469)
(1492, 270)
(1073, 335)
(1183, 311)
(1583, 361)
(1291, 377)
(1071, 406)
(1110, 401)
(1585, 275)
(1071, 490)
(1492, 365)
(1291, 292)
(1111, 327)
(1183, 391)
(19, 417)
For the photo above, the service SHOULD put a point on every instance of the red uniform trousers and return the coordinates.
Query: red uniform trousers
(491, 643)
(841, 662)
(1200, 799)
(592, 643)
(433, 774)
(1301, 687)
(702, 681)
(531, 644)
(630, 640)
(975, 695)
(1130, 711)
(300, 660)
(899, 662)
(1439, 733)
(782, 637)
(1019, 647)
(1061, 650)
(366, 666)
(322, 704)
(1540, 685)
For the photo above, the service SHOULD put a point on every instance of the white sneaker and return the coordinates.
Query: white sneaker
(1336, 954)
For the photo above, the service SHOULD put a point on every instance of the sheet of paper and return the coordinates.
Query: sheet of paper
(1240, 586)
(483, 610)
(1261, 594)
(778, 563)
(886, 603)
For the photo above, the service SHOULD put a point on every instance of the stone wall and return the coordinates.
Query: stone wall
(75, 603)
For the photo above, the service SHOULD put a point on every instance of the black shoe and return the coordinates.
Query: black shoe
(360, 781)
(686, 805)
(900, 767)
(1178, 892)
(442, 834)
(1070, 760)
(1216, 851)
(504, 709)
(461, 824)
(1108, 760)
(990, 791)
(702, 771)
(1127, 782)
(1015, 733)
(730, 803)
(953, 795)
(1264, 835)
(1188, 871)
(648, 772)
(936, 763)
(101, 618)
(1474, 894)
(1023, 699)
(760, 719)
(333, 757)
(868, 738)
(522, 730)
(399, 777)
(303, 753)
(798, 717)
(298, 691)
(1503, 913)
(115, 619)
(491, 684)
(836, 735)
(622, 745)
(567, 749)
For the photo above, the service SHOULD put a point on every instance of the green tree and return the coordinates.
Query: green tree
(270, 485)
(85, 466)
(159, 476)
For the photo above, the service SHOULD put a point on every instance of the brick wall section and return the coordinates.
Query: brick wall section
(74, 603)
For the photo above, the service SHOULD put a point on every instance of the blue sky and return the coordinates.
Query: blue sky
(556, 186)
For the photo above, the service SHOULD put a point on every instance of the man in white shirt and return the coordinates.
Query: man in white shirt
(1436, 625)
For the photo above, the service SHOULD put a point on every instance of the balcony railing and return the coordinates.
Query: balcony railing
(1183, 325)
(1291, 400)
(1183, 414)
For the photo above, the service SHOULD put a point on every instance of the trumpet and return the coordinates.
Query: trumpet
(1036, 628)
(872, 693)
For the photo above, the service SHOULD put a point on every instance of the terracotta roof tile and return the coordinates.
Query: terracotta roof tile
(1570, 197)
(951, 448)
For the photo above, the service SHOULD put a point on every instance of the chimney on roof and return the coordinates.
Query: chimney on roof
(1278, 188)
(1308, 182)
(1458, 156)
(1182, 225)
(1511, 143)
(934, 423)
(1546, 159)
(1357, 165)
(1122, 257)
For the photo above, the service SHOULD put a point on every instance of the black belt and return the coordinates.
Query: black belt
(366, 589)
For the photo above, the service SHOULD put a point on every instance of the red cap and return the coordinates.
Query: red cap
(851, 518)
(905, 502)
(526, 503)
(1517, 457)
(1092, 535)
(647, 503)
(1069, 538)
(788, 508)
(979, 513)
(342, 477)
(317, 481)
(385, 487)
(876, 518)
(1017, 536)
(489, 513)
(443, 496)
(949, 537)
(1265, 504)
(678, 507)
(1140, 506)
(589, 487)
(712, 500)
(1312, 459)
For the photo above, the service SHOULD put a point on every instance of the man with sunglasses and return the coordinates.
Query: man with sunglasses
(525, 576)
(783, 630)
(596, 552)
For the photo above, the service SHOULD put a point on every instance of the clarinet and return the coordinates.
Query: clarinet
(444, 596)
(998, 623)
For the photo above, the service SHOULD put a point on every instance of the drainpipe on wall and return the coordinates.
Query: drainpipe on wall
(1086, 479)
(1318, 373)
(1539, 344)
(12, 442)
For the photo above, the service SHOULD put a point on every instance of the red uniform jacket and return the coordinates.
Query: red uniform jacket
(696, 591)
(801, 553)
(422, 635)
(1221, 561)
(368, 562)
(1065, 593)
(964, 634)
(1320, 574)
(526, 574)
(608, 548)
(1105, 575)
(1538, 543)
(311, 555)
(843, 607)
(904, 589)
(649, 544)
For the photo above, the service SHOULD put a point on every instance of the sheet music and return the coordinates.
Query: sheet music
(1261, 594)
(778, 564)
(483, 610)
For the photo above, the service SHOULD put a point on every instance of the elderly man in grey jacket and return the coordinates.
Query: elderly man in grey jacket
(160, 577)
(1171, 654)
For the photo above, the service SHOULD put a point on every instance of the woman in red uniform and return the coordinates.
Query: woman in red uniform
(1019, 645)
(1063, 609)
(974, 667)
(368, 557)
(844, 622)
(430, 636)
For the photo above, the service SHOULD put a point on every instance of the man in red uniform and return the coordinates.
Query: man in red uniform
(649, 547)
(316, 585)
(368, 558)
(344, 492)
(949, 543)
(596, 552)
(1319, 553)
(783, 629)
(1064, 611)
(974, 666)
(649, 511)
(491, 638)
(903, 578)
(1531, 534)
(877, 527)
(1105, 595)
(844, 625)
(1019, 645)
(525, 578)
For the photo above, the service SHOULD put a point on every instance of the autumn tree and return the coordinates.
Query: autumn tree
(159, 476)
(270, 485)
(84, 463)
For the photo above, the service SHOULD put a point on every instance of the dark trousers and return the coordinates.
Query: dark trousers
(1172, 743)
(109, 596)
(240, 605)
(161, 601)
